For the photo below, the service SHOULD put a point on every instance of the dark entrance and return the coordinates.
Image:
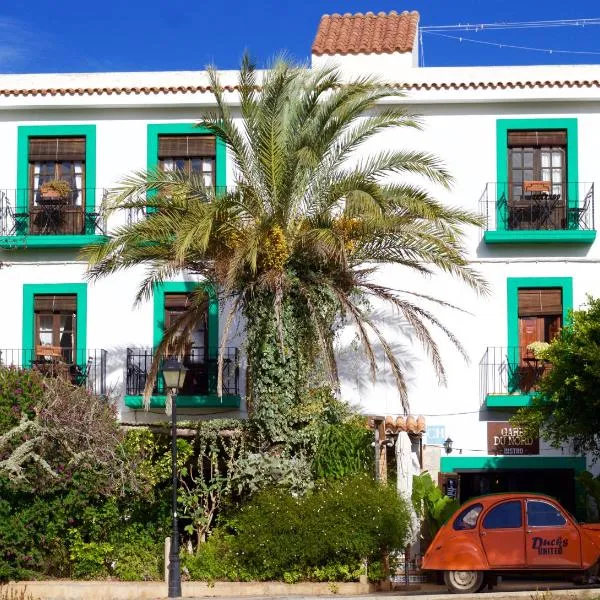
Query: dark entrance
(558, 483)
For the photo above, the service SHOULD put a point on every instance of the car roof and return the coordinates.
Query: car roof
(487, 498)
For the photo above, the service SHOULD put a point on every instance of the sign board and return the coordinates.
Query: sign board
(436, 434)
(449, 484)
(506, 440)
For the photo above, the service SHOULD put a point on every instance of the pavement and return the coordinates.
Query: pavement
(505, 590)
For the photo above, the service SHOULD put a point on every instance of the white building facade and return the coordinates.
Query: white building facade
(521, 143)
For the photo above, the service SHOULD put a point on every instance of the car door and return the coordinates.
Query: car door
(503, 536)
(552, 539)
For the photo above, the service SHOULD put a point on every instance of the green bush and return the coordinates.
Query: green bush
(138, 554)
(344, 449)
(431, 506)
(322, 536)
(216, 561)
(20, 391)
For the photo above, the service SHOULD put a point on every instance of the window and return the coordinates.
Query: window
(544, 514)
(175, 306)
(52, 158)
(191, 154)
(537, 179)
(196, 358)
(540, 320)
(55, 326)
(540, 314)
(468, 517)
(504, 516)
(537, 156)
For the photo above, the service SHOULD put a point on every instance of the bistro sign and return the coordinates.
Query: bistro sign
(506, 440)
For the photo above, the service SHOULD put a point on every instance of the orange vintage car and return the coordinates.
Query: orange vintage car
(511, 533)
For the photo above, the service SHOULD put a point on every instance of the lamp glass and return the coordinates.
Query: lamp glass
(174, 373)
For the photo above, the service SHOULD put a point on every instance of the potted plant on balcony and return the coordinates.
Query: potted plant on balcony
(55, 191)
(538, 349)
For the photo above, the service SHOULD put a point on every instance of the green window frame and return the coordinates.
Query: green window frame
(157, 129)
(183, 287)
(30, 290)
(518, 399)
(514, 284)
(24, 132)
(501, 235)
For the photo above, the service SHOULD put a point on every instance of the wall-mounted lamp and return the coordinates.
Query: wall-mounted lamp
(448, 445)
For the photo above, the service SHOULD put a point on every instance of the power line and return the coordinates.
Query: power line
(514, 25)
(513, 46)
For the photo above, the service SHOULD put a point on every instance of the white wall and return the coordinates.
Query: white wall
(460, 127)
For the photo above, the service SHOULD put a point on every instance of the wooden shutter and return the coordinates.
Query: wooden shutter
(176, 301)
(540, 302)
(537, 138)
(183, 146)
(56, 149)
(55, 303)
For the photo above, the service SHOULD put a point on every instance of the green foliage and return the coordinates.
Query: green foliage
(344, 449)
(90, 559)
(591, 485)
(90, 517)
(567, 405)
(132, 554)
(279, 358)
(20, 392)
(296, 242)
(257, 471)
(322, 535)
(431, 506)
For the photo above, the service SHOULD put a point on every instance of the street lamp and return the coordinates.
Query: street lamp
(448, 445)
(174, 375)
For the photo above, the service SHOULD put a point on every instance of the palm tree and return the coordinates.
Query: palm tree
(295, 244)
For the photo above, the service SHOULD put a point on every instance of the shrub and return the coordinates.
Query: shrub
(323, 535)
(344, 449)
(431, 505)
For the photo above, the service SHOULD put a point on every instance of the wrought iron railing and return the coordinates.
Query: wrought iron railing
(82, 367)
(509, 370)
(201, 376)
(26, 212)
(569, 206)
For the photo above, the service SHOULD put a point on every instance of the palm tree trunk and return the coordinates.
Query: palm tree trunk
(279, 360)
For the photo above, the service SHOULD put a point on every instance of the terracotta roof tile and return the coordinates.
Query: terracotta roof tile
(424, 86)
(381, 33)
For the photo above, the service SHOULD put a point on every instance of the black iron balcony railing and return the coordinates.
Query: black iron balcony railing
(81, 367)
(567, 206)
(26, 212)
(510, 370)
(201, 376)
(139, 213)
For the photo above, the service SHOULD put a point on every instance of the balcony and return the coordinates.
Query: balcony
(82, 367)
(542, 215)
(50, 222)
(508, 376)
(200, 386)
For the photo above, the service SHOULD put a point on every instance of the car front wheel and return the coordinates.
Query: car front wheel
(464, 582)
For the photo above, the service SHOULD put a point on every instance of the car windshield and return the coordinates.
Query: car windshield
(468, 517)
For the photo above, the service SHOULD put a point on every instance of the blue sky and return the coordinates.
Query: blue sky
(124, 35)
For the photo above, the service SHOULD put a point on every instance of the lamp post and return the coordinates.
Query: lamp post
(174, 375)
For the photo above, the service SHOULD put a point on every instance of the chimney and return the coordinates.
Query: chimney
(382, 44)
